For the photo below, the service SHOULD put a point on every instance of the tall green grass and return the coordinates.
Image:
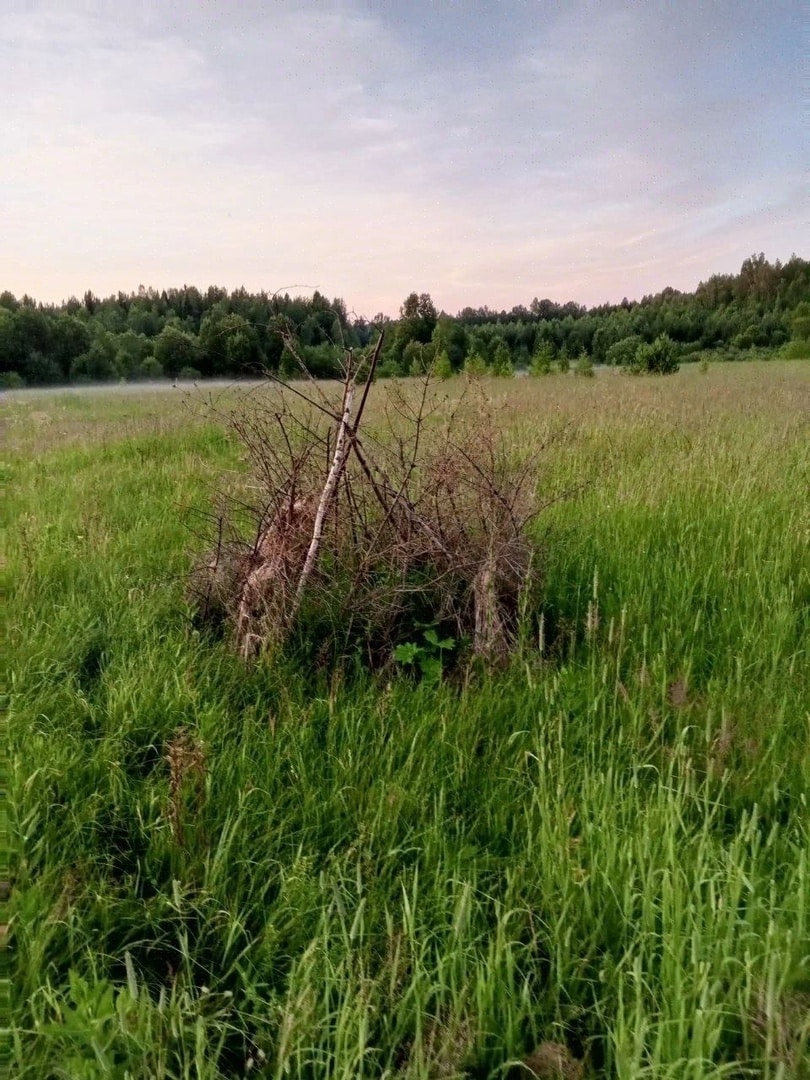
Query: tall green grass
(604, 847)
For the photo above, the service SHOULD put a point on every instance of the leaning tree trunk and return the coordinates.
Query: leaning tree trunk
(342, 448)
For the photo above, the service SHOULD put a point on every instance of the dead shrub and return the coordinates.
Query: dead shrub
(354, 536)
(186, 760)
(782, 1026)
(552, 1061)
(445, 1046)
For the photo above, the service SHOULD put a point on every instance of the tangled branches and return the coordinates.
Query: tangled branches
(359, 534)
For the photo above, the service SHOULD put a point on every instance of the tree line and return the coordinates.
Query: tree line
(187, 333)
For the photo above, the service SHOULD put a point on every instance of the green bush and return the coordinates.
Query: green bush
(475, 364)
(502, 362)
(622, 353)
(657, 358)
(442, 368)
(584, 366)
(800, 323)
(417, 358)
(389, 369)
(150, 368)
(796, 350)
(542, 361)
(97, 364)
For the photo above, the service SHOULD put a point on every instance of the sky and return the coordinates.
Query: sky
(485, 152)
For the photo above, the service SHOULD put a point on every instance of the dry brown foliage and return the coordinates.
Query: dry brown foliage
(364, 531)
(782, 1026)
(186, 760)
(553, 1061)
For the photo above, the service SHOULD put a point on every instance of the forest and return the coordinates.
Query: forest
(185, 333)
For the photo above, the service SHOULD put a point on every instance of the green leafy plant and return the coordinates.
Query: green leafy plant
(428, 658)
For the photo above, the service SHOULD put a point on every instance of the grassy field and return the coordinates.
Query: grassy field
(600, 855)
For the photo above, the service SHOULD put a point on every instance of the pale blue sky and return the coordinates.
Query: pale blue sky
(486, 153)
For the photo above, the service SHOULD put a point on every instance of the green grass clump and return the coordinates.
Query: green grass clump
(228, 871)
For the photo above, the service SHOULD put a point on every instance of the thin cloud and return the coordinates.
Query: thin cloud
(579, 152)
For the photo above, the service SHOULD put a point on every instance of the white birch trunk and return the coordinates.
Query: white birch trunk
(342, 448)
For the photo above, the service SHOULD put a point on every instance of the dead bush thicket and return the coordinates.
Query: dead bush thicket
(360, 532)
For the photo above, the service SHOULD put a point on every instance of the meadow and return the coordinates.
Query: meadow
(594, 863)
